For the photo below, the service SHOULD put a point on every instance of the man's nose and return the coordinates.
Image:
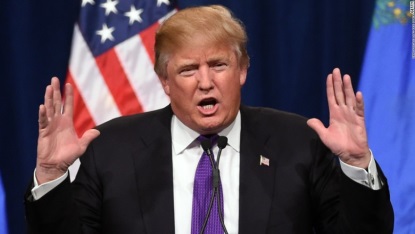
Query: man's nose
(205, 79)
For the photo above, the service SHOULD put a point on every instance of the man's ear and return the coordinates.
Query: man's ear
(165, 83)
(242, 76)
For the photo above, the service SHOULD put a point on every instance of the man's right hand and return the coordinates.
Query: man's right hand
(58, 144)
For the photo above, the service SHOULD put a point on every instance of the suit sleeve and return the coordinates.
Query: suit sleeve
(343, 205)
(69, 207)
(53, 213)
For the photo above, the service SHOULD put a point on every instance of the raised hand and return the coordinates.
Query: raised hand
(346, 134)
(58, 144)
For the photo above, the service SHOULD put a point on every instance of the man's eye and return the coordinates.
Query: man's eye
(187, 72)
(220, 66)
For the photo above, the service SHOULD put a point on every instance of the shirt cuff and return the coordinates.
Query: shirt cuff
(367, 177)
(38, 191)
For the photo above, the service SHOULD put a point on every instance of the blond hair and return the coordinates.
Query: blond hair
(215, 23)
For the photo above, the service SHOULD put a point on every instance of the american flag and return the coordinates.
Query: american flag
(112, 58)
(263, 161)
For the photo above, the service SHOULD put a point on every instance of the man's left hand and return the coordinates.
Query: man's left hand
(346, 134)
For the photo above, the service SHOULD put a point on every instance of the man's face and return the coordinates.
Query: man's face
(204, 85)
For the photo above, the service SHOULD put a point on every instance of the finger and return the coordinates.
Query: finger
(57, 99)
(43, 118)
(330, 91)
(68, 105)
(87, 137)
(338, 87)
(349, 92)
(360, 105)
(317, 126)
(49, 101)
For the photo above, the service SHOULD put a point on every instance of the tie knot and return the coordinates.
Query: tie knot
(213, 138)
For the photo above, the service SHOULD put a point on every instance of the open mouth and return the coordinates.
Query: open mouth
(208, 103)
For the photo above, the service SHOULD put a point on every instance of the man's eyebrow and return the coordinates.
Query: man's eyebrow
(187, 65)
(215, 60)
(218, 59)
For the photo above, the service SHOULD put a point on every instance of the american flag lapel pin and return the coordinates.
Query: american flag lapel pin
(263, 160)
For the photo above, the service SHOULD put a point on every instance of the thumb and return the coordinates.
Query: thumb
(317, 126)
(87, 137)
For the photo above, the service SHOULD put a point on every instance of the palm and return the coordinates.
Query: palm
(346, 134)
(58, 143)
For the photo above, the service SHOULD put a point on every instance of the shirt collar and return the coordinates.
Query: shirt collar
(183, 136)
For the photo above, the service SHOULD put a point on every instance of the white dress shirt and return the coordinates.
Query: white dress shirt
(186, 155)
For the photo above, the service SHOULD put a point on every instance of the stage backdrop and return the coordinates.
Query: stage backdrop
(293, 45)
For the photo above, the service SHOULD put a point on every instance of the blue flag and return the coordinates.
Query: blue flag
(3, 220)
(388, 86)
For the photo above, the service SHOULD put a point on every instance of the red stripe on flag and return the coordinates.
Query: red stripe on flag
(82, 118)
(118, 84)
(148, 39)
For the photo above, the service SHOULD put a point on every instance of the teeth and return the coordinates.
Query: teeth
(208, 106)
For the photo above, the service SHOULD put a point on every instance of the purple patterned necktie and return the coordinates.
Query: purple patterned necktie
(202, 192)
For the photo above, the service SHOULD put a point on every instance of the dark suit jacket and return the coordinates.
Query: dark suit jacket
(124, 184)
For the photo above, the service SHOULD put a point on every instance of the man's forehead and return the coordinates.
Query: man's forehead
(203, 54)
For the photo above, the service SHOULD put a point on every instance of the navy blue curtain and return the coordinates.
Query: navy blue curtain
(293, 45)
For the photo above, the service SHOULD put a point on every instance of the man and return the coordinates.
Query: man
(276, 175)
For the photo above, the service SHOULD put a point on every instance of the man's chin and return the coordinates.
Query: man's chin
(211, 126)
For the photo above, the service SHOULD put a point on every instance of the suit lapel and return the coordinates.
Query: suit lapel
(154, 174)
(256, 181)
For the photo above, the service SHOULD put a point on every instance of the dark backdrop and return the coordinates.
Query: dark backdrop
(293, 45)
